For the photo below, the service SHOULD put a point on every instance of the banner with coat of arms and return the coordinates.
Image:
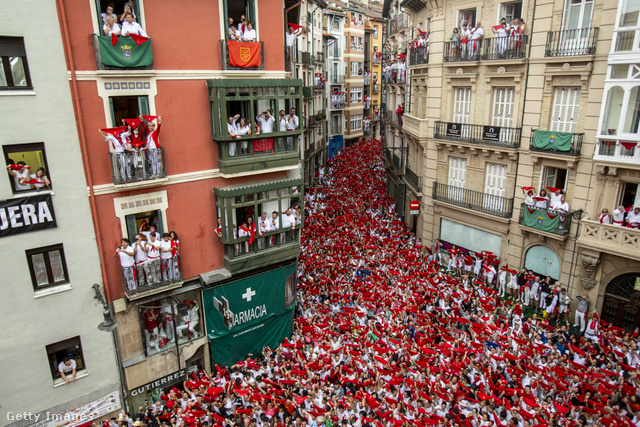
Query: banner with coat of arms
(547, 140)
(541, 219)
(126, 53)
(244, 55)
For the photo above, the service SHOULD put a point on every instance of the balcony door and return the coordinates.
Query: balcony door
(134, 221)
(503, 111)
(127, 107)
(576, 24)
(457, 175)
(566, 106)
(494, 186)
(462, 109)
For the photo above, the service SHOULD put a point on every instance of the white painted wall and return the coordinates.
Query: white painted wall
(46, 115)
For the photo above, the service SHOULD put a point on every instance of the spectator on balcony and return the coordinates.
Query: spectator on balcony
(477, 34)
(38, 180)
(190, 321)
(165, 258)
(148, 229)
(603, 217)
(454, 40)
(399, 114)
(292, 124)
(249, 34)
(465, 37)
(229, 23)
(542, 201)
(242, 25)
(633, 218)
(119, 154)
(67, 368)
(402, 71)
(129, 26)
(153, 255)
(175, 253)
(556, 195)
(618, 216)
(264, 226)
(128, 8)
(528, 196)
(141, 261)
(501, 39)
(153, 144)
(234, 33)
(266, 121)
(126, 255)
(111, 28)
(108, 13)
(244, 128)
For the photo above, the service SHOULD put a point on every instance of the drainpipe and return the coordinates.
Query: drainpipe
(82, 137)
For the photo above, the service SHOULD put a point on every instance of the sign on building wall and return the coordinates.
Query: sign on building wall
(248, 314)
(26, 214)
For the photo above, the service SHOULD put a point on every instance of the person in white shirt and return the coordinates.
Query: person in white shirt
(266, 121)
(250, 34)
(234, 34)
(561, 206)
(190, 321)
(264, 226)
(19, 176)
(141, 258)
(109, 14)
(604, 217)
(501, 38)
(292, 124)
(126, 255)
(119, 155)
(153, 255)
(476, 39)
(66, 367)
(129, 26)
(633, 218)
(465, 34)
(232, 128)
(165, 258)
(618, 216)
(110, 27)
(244, 128)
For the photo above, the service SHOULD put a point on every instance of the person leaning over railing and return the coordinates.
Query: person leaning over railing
(129, 26)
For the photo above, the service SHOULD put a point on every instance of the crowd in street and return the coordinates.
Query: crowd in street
(387, 336)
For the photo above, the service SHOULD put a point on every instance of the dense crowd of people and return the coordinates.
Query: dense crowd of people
(385, 336)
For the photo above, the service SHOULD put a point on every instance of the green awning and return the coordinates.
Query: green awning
(273, 184)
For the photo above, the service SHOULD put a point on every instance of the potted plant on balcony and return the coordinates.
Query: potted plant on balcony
(320, 116)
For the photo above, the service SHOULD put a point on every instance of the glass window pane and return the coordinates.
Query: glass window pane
(611, 118)
(630, 10)
(57, 269)
(633, 112)
(619, 71)
(17, 70)
(39, 267)
(3, 78)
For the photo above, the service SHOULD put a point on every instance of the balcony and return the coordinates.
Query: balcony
(547, 221)
(320, 58)
(272, 247)
(152, 277)
(129, 55)
(609, 238)
(489, 49)
(226, 65)
(582, 41)
(337, 79)
(481, 202)
(411, 178)
(307, 59)
(254, 153)
(137, 166)
(309, 122)
(336, 105)
(505, 137)
(419, 56)
(335, 130)
(397, 163)
(563, 143)
(377, 58)
(401, 21)
(307, 92)
(616, 150)
(415, 126)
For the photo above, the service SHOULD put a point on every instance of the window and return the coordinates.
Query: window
(356, 68)
(553, 177)
(235, 9)
(494, 186)
(356, 122)
(510, 11)
(356, 43)
(467, 15)
(57, 352)
(375, 32)
(118, 10)
(47, 266)
(14, 70)
(577, 14)
(502, 106)
(144, 220)
(168, 320)
(237, 207)
(355, 94)
(629, 195)
(34, 156)
(566, 106)
(462, 105)
(335, 127)
(622, 107)
(127, 107)
(457, 175)
(335, 22)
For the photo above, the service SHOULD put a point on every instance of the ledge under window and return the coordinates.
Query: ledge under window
(79, 374)
(52, 290)
(11, 92)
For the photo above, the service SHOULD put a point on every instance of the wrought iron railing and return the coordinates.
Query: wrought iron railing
(419, 56)
(412, 179)
(576, 145)
(225, 58)
(151, 275)
(320, 57)
(494, 48)
(507, 137)
(269, 240)
(397, 164)
(138, 165)
(582, 41)
(307, 58)
(474, 200)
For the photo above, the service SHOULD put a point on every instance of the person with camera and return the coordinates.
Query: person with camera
(266, 121)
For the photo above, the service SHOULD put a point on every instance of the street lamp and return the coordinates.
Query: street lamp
(108, 324)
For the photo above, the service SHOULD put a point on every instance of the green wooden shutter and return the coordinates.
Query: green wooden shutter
(143, 105)
(160, 223)
(113, 112)
(251, 10)
(132, 230)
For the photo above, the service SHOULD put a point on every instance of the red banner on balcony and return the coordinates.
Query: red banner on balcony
(628, 145)
(243, 54)
(263, 144)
